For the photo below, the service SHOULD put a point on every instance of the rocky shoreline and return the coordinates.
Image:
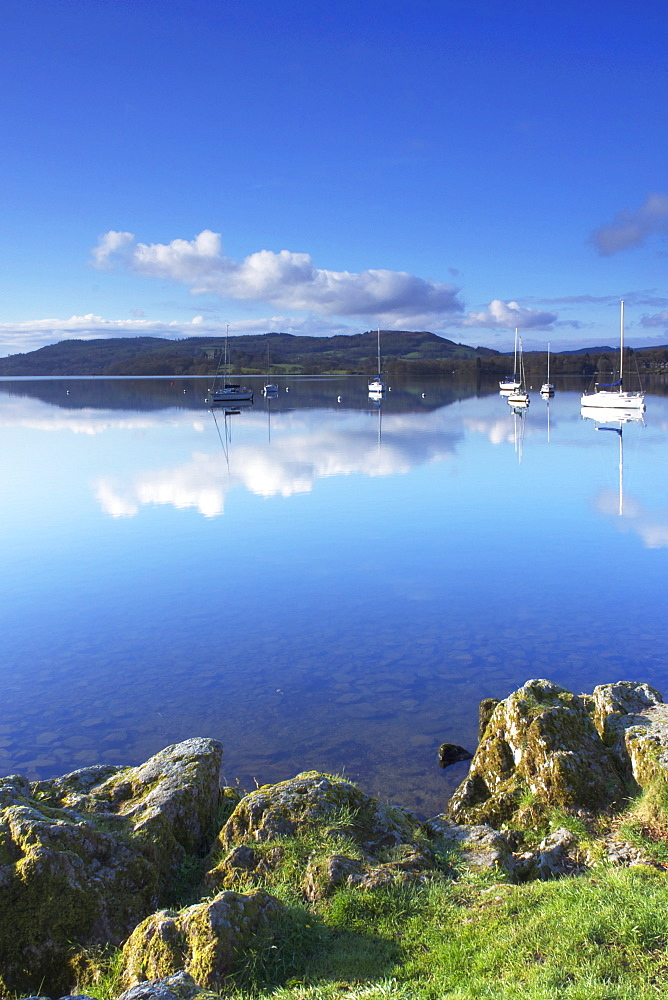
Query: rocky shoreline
(103, 858)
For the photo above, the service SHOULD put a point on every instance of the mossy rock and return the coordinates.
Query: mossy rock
(633, 722)
(83, 858)
(540, 747)
(179, 986)
(326, 872)
(205, 940)
(317, 802)
(473, 847)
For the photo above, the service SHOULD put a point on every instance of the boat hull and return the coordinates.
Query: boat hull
(614, 400)
(226, 396)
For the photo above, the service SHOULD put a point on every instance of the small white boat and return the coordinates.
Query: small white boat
(611, 395)
(228, 392)
(547, 389)
(519, 398)
(270, 388)
(510, 383)
(376, 385)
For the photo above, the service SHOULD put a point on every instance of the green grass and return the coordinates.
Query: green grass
(598, 936)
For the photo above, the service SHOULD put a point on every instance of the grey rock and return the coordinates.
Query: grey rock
(86, 856)
(317, 802)
(325, 874)
(485, 713)
(204, 940)
(633, 722)
(477, 846)
(180, 986)
(540, 750)
(552, 858)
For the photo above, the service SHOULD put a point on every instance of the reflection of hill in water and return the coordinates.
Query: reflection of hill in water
(407, 396)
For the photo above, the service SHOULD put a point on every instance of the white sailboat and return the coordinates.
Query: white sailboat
(519, 397)
(509, 384)
(547, 389)
(611, 395)
(376, 385)
(228, 392)
(270, 388)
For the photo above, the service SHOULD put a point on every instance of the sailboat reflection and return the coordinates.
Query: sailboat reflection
(519, 419)
(377, 402)
(546, 397)
(603, 416)
(225, 435)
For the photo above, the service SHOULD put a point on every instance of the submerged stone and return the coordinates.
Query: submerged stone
(451, 753)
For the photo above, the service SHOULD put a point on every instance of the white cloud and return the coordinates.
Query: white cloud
(508, 315)
(111, 247)
(284, 278)
(629, 229)
(298, 456)
(650, 525)
(40, 416)
(658, 319)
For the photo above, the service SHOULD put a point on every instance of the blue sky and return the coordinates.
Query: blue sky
(460, 167)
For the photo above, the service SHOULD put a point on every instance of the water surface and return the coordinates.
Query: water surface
(315, 581)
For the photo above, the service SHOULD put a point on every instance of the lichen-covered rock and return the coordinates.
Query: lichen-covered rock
(167, 803)
(313, 801)
(83, 858)
(540, 749)
(476, 847)
(204, 940)
(633, 722)
(409, 864)
(180, 986)
(485, 712)
(556, 855)
(239, 869)
(326, 873)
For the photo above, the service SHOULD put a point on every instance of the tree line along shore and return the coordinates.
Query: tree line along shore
(404, 353)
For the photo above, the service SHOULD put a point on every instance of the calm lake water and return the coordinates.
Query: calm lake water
(315, 581)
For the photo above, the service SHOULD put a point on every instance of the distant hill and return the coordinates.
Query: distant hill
(592, 350)
(404, 352)
(248, 354)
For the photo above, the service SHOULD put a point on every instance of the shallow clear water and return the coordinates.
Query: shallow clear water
(320, 584)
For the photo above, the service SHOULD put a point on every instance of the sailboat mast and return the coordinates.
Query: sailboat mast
(621, 348)
(379, 352)
(515, 360)
(227, 330)
(548, 361)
